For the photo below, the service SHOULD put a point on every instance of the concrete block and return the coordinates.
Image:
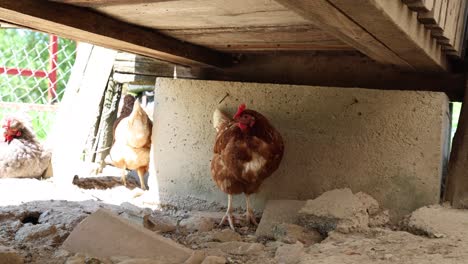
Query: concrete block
(388, 144)
(104, 234)
(277, 212)
(437, 221)
(338, 209)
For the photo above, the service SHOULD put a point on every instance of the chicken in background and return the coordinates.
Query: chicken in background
(132, 140)
(21, 154)
(247, 150)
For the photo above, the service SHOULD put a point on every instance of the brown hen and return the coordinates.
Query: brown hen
(132, 140)
(247, 150)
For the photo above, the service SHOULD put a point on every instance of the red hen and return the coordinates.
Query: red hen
(247, 150)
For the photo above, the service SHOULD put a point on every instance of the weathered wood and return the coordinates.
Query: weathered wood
(296, 37)
(431, 17)
(135, 79)
(326, 16)
(93, 3)
(322, 69)
(420, 5)
(457, 180)
(103, 182)
(397, 27)
(186, 14)
(459, 39)
(135, 69)
(106, 122)
(78, 107)
(68, 21)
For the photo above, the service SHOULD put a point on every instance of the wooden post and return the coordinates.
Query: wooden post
(457, 180)
(105, 136)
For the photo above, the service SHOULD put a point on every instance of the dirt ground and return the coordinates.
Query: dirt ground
(37, 216)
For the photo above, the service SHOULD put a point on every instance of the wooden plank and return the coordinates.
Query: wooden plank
(431, 18)
(419, 5)
(397, 27)
(93, 3)
(187, 14)
(335, 69)
(297, 37)
(459, 39)
(78, 108)
(450, 26)
(457, 180)
(326, 16)
(68, 21)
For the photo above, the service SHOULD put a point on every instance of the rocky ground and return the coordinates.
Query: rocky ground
(337, 227)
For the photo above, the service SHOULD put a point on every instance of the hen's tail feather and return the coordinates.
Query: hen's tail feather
(219, 119)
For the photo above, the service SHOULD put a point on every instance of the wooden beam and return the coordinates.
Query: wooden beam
(335, 69)
(85, 25)
(92, 3)
(327, 17)
(457, 178)
(419, 5)
(397, 27)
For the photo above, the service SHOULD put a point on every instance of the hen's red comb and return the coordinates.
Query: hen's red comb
(240, 109)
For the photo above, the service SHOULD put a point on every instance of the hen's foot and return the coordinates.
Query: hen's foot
(229, 218)
(250, 217)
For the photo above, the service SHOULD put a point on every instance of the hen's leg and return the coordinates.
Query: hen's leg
(249, 214)
(228, 214)
(124, 176)
(141, 174)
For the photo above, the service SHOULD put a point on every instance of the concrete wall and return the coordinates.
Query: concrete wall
(386, 143)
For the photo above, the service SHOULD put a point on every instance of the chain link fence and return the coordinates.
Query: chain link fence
(34, 71)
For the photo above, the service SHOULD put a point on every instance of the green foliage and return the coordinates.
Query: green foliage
(26, 49)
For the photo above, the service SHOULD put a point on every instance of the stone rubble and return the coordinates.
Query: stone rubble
(34, 233)
(340, 210)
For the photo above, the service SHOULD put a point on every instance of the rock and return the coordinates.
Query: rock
(78, 259)
(214, 260)
(237, 247)
(104, 234)
(342, 211)
(278, 212)
(68, 218)
(291, 233)
(61, 253)
(141, 261)
(289, 254)
(226, 235)
(379, 219)
(197, 223)
(371, 205)
(197, 257)
(137, 220)
(9, 256)
(160, 224)
(437, 221)
(30, 233)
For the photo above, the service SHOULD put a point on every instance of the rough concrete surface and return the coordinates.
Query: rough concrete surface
(9, 256)
(103, 234)
(277, 212)
(339, 210)
(374, 245)
(388, 144)
(439, 221)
